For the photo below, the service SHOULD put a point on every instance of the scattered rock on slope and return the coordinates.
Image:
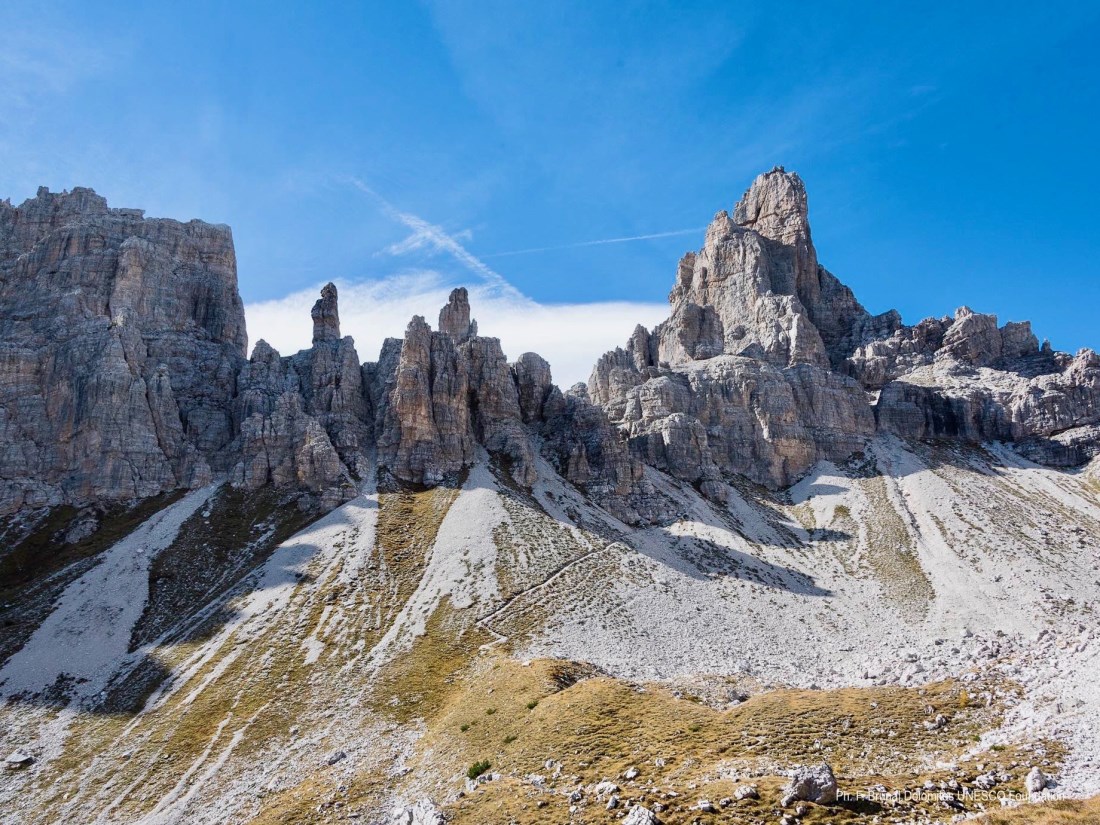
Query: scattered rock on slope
(811, 784)
(640, 815)
(421, 813)
(18, 759)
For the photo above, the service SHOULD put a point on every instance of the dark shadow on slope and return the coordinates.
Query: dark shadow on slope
(824, 490)
(37, 562)
(704, 559)
(189, 591)
(216, 548)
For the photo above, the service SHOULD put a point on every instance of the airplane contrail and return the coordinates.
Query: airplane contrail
(600, 242)
(426, 234)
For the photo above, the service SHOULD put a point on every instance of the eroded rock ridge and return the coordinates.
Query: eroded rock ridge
(124, 374)
(768, 364)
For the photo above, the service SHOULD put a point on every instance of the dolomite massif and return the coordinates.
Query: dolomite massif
(768, 364)
(773, 531)
(124, 373)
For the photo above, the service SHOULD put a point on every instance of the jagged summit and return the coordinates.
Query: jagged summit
(767, 363)
(326, 315)
(775, 205)
(454, 318)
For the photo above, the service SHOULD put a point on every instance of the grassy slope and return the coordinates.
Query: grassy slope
(1064, 812)
(468, 703)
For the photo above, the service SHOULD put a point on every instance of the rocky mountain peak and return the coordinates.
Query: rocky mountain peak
(122, 337)
(775, 206)
(608, 531)
(764, 364)
(454, 318)
(326, 315)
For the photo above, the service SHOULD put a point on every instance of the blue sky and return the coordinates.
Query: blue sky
(950, 155)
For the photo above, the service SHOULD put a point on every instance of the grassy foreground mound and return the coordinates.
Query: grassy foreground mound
(1062, 812)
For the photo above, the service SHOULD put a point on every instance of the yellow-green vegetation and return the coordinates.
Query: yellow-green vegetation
(242, 692)
(44, 550)
(517, 717)
(419, 682)
(408, 520)
(456, 707)
(1062, 812)
(477, 769)
(891, 555)
(317, 799)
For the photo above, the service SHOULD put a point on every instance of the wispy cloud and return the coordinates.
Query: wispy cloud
(570, 336)
(652, 236)
(426, 235)
(42, 58)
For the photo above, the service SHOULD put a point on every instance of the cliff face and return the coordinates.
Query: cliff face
(123, 374)
(768, 364)
(120, 341)
(444, 395)
(318, 421)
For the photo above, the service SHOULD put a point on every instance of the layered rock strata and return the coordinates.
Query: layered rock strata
(123, 374)
(120, 341)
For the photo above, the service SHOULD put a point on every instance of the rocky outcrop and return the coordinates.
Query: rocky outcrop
(768, 364)
(756, 286)
(304, 421)
(123, 374)
(441, 396)
(814, 783)
(120, 340)
(967, 377)
(735, 414)
(738, 379)
(454, 318)
(326, 316)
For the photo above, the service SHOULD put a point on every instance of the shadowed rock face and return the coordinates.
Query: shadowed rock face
(434, 400)
(304, 421)
(442, 395)
(120, 340)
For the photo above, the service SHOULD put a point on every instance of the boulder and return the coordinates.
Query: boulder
(18, 759)
(422, 812)
(1036, 781)
(811, 784)
(640, 815)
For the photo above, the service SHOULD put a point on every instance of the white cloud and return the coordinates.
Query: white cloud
(570, 336)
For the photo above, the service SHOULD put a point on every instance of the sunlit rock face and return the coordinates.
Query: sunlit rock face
(123, 374)
(120, 341)
(768, 364)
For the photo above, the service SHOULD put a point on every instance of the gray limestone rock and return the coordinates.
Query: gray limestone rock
(326, 316)
(120, 340)
(811, 784)
(123, 374)
(767, 364)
